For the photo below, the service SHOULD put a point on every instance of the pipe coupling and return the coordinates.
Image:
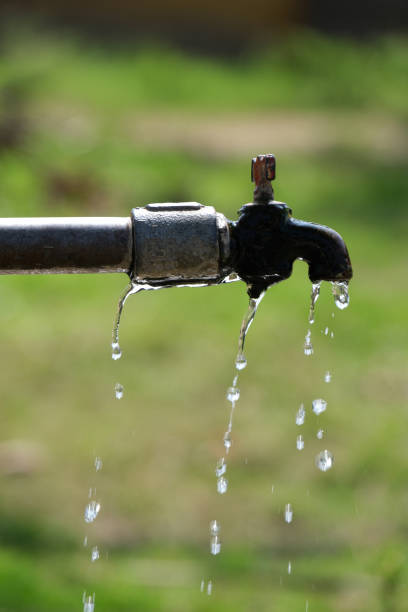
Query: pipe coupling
(184, 243)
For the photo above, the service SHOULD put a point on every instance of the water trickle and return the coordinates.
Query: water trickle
(289, 568)
(222, 485)
(221, 467)
(313, 299)
(227, 440)
(119, 391)
(89, 602)
(341, 294)
(98, 464)
(233, 394)
(300, 415)
(95, 554)
(320, 434)
(288, 513)
(327, 377)
(324, 460)
(91, 511)
(319, 405)
(308, 346)
(300, 443)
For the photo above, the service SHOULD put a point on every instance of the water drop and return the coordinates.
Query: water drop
(116, 351)
(326, 331)
(222, 485)
(327, 377)
(320, 434)
(300, 443)
(91, 511)
(86, 541)
(331, 334)
(215, 545)
(288, 513)
(300, 415)
(202, 586)
(215, 528)
(314, 297)
(341, 294)
(221, 467)
(240, 362)
(118, 391)
(98, 464)
(324, 460)
(94, 554)
(319, 405)
(289, 568)
(209, 587)
(89, 602)
(272, 488)
(227, 440)
(308, 346)
(233, 394)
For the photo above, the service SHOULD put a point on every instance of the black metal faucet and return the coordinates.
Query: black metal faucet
(266, 239)
(180, 243)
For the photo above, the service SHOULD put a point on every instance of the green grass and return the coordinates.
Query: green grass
(159, 444)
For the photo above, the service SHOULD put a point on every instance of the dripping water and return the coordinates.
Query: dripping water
(233, 392)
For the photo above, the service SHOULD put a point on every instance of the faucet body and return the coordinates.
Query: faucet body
(180, 243)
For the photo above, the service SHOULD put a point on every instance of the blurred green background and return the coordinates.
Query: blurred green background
(94, 128)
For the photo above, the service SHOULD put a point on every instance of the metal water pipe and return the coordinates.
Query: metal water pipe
(180, 243)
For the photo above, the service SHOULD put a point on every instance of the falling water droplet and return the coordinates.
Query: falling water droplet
(314, 297)
(94, 554)
(98, 464)
(116, 351)
(289, 568)
(86, 541)
(221, 467)
(308, 346)
(331, 334)
(89, 602)
(240, 362)
(320, 434)
(209, 587)
(215, 528)
(288, 513)
(91, 511)
(215, 545)
(319, 405)
(327, 377)
(341, 294)
(202, 586)
(300, 415)
(227, 440)
(222, 485)
(300, 443)
(326, 331)
(118, 391)
(324, 460)
(233, 394)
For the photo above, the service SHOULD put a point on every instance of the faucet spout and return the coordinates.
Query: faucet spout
(267, 240)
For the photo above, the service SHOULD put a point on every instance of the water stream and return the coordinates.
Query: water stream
(323, 461)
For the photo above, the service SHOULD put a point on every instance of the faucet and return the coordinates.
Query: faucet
(186, 243)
